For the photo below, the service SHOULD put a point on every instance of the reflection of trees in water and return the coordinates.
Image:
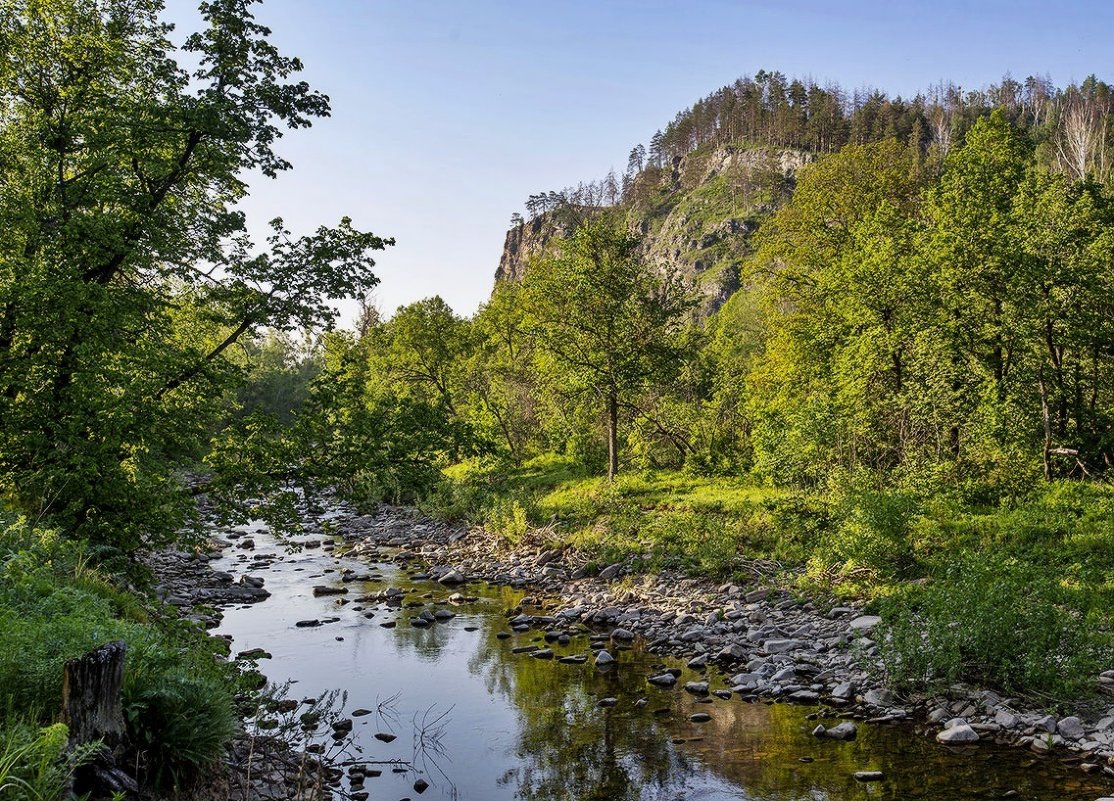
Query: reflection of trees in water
(567, 747)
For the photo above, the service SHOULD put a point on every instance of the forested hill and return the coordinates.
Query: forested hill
(697, 193)
(695, 218)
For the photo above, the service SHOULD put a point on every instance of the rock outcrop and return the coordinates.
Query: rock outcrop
(696, 216)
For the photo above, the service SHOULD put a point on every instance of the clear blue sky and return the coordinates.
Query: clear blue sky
(448, 113)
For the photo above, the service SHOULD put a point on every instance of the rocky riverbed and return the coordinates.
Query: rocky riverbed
(773, 646)
(754, 643)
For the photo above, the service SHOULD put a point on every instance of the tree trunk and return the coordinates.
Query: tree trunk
(1046, 453)
(612, 435)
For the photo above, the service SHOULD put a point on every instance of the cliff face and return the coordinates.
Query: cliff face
(696, 216)
(526, 241)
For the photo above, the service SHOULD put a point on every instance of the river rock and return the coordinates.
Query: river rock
(663, 680)
(843, 731)
(804, 697)
(321, 589)
(731, 652)
(610, 572)
(878, 697)
(604, 658)
(1071, 728)
(843, 690)
(781, 646)
(1006, 719)
(452, 577)
(869, 775)
(864, 623)
(958, 735)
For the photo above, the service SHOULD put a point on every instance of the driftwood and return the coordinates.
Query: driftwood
(93, 711)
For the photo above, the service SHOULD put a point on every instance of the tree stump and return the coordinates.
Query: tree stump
(92, 708)
(91, 704)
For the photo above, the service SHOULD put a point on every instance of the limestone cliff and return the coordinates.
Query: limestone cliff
(696, 216)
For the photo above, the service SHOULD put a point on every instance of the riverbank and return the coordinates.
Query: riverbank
(773, 645)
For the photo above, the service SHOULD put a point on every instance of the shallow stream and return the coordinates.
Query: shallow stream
(501, 725)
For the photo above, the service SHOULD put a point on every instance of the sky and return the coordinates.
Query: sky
(446, 114)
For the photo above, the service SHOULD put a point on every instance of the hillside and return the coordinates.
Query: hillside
(696, 216)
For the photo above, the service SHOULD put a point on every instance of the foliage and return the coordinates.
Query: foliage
(995, 622)
(126, 274)
(35, 763)
(53, 607)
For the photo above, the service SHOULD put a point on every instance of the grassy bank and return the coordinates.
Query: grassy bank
(55, 605)
(1006, 592)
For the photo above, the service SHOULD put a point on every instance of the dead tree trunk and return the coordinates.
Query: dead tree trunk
(93, 711)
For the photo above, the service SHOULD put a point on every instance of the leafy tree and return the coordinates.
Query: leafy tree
(419, 352)
(604, 320)
(501, 380)
(126, 274)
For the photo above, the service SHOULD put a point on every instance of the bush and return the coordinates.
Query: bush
(507, 519)
(178, 720)
(993, 621)
(874, 533)
(466, 489)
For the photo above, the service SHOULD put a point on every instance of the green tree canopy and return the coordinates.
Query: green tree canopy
(126, 271)
(604, 320)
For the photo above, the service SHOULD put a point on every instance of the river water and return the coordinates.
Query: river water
(500, 725)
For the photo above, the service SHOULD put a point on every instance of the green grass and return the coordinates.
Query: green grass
(918, 554)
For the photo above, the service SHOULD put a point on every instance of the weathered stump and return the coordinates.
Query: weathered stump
(93, 711)
(91, 704)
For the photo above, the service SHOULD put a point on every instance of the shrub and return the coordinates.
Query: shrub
(507, 519)
(178, 720)
(993, 621)
(874, 532)
(466, 489)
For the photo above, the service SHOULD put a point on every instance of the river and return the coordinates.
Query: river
(476, 721)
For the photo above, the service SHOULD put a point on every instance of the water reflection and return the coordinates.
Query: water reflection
(526, 728)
